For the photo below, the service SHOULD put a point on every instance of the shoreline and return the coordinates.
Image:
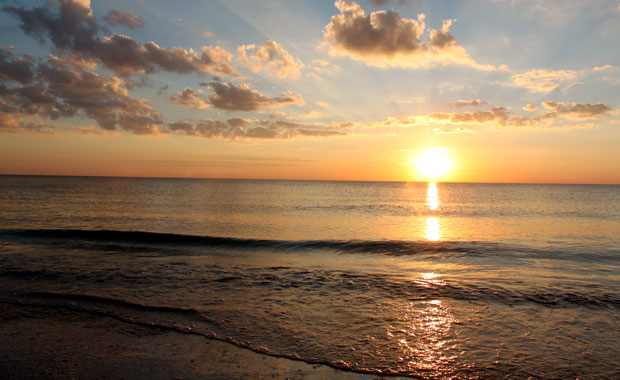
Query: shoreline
(39, 343)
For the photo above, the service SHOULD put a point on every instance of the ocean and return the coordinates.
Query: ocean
(426, 280)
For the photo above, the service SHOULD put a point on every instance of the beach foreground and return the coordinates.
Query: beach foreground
(40, 344)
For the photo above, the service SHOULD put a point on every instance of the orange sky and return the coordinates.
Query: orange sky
(235, 89)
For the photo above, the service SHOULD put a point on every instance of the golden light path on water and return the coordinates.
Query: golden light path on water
(428, 344)
(432, 223)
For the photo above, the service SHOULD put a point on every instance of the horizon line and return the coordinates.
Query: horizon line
(301, 180)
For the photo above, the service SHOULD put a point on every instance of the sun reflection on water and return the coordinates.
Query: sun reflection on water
(428, 343)
(432, 196)
(432, 229)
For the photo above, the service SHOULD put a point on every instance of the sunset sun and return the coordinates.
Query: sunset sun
(433, 164)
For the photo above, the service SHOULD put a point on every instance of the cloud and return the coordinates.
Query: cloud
(473, 103)
(383, 39)
(452, 131)
(128, 19)
(320, 67)
(576, 111)
(237, 128)
(542, 80)
(59, 89)
(16, 123)
(453, 122)
(496, 114)
(381, 3)
(17, 69)
(190, 98)
(271, 57)
(601, 68)
(341, 124)
(73, 30)
(228, 97)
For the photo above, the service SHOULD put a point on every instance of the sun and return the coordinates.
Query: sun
(432, 164)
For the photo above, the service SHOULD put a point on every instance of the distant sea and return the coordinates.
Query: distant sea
(416, 279)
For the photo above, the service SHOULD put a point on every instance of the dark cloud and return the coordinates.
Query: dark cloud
(384, 38)
(74, 27)
(128, 19)
(441, 39)
(190, 98)
(382, 33)
(228, 97)
(75, 30)
(59, 89)
(237, 128)
(17, 69)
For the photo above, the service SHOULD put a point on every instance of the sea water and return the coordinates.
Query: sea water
(430, 280)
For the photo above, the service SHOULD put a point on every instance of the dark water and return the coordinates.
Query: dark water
(431, 281)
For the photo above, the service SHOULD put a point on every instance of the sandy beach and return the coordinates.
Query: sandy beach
(44, 344)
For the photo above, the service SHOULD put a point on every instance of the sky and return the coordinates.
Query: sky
(510, 91)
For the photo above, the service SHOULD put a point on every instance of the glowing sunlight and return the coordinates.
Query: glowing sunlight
(432, 164)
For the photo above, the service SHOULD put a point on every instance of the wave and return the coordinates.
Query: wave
(111, 240)
(555, 295)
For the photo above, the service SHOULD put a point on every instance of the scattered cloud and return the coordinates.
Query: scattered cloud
(228, 97)
(270, 56)
(321, 67)
(190, 98)
(73, 30)
(237, 128)
(601, 68)
(455, 122)
(125, 18)
(452, 131)
(92, 130)
(576, 110)
(472, 103)
(541, 80)
(383, 39)
(342, 124)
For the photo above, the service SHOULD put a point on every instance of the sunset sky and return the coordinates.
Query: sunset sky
(512, 91)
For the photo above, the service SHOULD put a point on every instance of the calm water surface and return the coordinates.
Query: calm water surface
(423, 280)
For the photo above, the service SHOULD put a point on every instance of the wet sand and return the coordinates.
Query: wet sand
(36, 343)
